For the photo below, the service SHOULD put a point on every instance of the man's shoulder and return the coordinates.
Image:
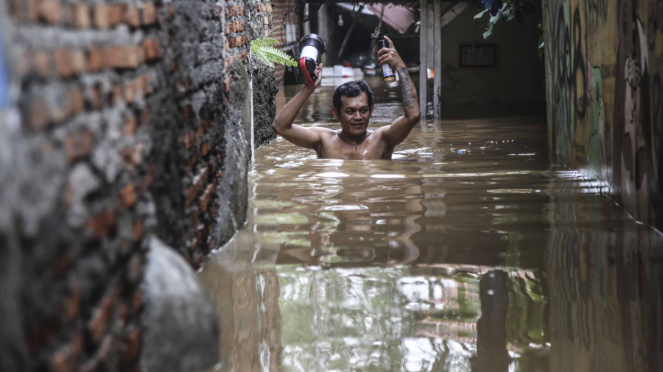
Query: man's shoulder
(323, 131)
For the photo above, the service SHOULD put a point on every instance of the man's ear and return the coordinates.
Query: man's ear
(371, 110)
(335, 112)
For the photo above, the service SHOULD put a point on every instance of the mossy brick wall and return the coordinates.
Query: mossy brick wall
(119, 119)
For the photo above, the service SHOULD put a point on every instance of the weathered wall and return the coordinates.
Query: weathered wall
(518, 80)
(605, 107)
(118, 120)
(604, 286)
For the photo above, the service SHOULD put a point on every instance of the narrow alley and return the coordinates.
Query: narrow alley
(470, 239)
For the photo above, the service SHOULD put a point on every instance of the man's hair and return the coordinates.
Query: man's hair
(352, 89)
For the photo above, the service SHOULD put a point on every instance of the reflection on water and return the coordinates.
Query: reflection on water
(468, 252)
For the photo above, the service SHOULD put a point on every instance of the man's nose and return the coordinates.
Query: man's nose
(357, 115)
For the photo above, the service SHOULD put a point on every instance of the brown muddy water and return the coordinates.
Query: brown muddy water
(469, 251)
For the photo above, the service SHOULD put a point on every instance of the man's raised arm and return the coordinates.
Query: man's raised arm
(399, 130)
(300, 136)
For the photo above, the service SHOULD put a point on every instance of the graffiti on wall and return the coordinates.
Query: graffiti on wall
(605, 107)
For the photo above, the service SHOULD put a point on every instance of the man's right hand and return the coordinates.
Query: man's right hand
(283, 123)
(318, 77)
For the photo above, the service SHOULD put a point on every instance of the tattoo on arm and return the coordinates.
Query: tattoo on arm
(407, 86)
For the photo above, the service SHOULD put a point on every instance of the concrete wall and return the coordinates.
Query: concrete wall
(605, 107)
(515, 85)
(118, 120)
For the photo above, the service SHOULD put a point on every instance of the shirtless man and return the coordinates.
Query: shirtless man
(353, 106)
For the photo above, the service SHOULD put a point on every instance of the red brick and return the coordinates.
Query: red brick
(75, 101)
(231, 12)
(78, 145)
(149, 14)
(95, 59)
(107, 16)
(101, 16)
(101, 317)
(132, 16)
(32, 10)
(116, 14)
(128, 196)
(68, 16)
(82, 16)
(69, 62)
(41, 63)
(244, 55)
(124, 56)
(207, 196)
(152, 48)
(269, 8)
(50, 11)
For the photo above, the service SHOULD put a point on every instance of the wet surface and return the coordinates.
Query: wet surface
(467, 252)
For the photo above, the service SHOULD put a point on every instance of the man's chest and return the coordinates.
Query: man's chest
(372, 148)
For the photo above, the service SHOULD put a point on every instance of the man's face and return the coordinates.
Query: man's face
(354, 114)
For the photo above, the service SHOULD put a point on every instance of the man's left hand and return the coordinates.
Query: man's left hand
(390, 56)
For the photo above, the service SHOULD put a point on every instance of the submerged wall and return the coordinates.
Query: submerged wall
(605, 108)
(119, 120)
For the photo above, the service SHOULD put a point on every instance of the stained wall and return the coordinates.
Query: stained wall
(604, 62)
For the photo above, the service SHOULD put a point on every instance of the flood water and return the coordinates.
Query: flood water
(469, 251)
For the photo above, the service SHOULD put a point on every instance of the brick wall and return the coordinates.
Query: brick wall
(279, 8)
(120, 121)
